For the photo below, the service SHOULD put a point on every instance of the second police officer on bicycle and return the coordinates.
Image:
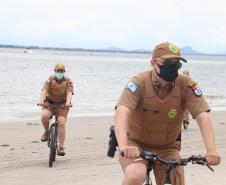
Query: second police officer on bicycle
(57, 90)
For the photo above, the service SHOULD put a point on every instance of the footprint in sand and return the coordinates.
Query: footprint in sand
(35, 142)
(32, 124)
(5, 145)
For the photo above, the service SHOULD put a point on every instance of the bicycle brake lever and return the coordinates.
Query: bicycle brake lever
(203, 163)
(138, 159)
(148, 155)
(210, 167)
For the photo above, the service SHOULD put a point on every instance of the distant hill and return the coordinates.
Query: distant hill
(184, 50)
(223, 53)
(188, 50)
(115, 49)
(141, 51)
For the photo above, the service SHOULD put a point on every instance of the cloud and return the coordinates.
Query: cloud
(44, 29)
(219, 37)
(119, 38)
(132, 23)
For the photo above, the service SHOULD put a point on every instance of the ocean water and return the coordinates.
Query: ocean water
(98, 79)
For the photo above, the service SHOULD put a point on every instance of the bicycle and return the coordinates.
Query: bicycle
(52, 141)
(170, 164)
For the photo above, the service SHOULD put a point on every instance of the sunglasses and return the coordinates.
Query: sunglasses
(169, 62)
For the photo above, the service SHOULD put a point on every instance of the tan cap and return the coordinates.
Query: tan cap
(167, 50)
(60, 67)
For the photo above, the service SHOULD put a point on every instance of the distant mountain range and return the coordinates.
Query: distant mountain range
(184, 50)
(223, 53)
(115, 49)
(187, 50)
(190, 51)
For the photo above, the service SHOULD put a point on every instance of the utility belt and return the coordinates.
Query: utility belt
(53, 102)
(113, 144)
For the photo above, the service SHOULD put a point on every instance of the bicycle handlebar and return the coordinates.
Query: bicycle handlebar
(54, 106)
(194, 159)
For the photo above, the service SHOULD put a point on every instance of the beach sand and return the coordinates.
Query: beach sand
(24, 159)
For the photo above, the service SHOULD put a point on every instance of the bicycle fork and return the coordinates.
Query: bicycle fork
(149, 169)
(148, 179)
(167, 180)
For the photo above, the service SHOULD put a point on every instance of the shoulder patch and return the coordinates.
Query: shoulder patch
(195, 88)
(132, 87)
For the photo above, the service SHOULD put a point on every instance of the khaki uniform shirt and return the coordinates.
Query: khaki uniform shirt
(157, 121)
(57, 91)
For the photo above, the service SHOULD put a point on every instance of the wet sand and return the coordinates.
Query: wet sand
(24, 159)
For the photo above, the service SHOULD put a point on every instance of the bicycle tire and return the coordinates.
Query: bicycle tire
(52, 145)
(55, 144)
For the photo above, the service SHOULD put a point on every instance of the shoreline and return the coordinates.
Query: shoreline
(70, 118)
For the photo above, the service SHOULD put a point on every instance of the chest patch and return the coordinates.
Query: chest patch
(172, 113)
(195, 88)
(132, 87)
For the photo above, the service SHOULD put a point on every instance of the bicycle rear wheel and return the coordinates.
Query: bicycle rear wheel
(52, 145)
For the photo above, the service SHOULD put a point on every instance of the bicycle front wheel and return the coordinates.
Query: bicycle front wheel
(52, 145)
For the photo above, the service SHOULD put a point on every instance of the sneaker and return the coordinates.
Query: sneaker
(61, 151)
(44, 136)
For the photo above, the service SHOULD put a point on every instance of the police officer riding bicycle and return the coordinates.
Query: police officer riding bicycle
(150, 112)
(58, 91)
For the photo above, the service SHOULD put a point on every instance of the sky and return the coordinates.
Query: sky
(128, 24)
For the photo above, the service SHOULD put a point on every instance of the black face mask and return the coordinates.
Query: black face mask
(169, 70)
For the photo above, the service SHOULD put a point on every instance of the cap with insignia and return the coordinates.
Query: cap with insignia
(167, 50)
(60, 67)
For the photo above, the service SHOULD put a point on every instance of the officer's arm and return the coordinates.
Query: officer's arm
(43, 96)
(69, 98)
(121, 122)
(70, 92)
(205, 124)
(45, 90)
